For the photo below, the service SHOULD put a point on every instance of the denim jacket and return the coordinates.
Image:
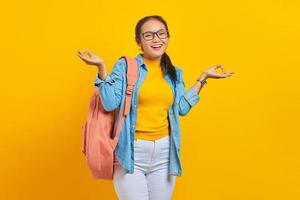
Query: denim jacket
(112, 95)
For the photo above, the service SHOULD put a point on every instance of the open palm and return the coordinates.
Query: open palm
(211, 72)
(90, 58)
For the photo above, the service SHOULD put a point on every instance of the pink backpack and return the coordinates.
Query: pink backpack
(99, 139)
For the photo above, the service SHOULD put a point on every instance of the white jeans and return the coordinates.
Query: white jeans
(150, 180)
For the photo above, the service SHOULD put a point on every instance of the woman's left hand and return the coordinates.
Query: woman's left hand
(211, 73)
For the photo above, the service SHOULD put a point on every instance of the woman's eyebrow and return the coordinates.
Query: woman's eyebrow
(155, 31)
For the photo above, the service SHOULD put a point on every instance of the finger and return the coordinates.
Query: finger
(223, 70)
(86, 52)
(217, 66)
(230, 73)
(89, 53)
(80, 55)
(83, 58)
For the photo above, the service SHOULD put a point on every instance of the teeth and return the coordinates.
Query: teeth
(157, 46)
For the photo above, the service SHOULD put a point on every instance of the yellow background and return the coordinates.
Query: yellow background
(240, 142)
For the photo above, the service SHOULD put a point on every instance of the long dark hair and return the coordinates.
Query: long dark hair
(165, 62)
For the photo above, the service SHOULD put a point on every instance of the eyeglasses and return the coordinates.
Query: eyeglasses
(149, 35)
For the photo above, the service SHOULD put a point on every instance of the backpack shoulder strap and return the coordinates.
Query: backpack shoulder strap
(131, 79)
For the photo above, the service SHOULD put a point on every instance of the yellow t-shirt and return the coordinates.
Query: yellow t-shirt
(154, 100)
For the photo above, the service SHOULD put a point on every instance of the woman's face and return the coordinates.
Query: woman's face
(153, 47)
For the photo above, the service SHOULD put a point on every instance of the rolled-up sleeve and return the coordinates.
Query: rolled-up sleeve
(110, 89)
(98, 81)
(187, 99)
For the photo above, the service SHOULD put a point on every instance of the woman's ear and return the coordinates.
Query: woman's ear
(138, 41)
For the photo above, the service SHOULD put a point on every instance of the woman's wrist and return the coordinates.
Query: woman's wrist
(102, 76)
(102, 73)
(203, 76)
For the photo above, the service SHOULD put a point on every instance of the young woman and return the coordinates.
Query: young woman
(148, 150)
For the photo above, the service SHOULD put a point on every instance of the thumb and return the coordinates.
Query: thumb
(89, 53)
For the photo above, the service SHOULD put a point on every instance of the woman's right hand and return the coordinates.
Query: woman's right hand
(91, 59)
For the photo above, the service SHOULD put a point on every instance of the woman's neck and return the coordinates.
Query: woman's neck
(151, 62)
(150, 59)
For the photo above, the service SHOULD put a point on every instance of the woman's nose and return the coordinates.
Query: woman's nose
(155, 37)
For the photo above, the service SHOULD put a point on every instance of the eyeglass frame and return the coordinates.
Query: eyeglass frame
(156, 33)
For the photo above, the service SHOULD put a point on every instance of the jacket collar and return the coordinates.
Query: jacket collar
(139, 59)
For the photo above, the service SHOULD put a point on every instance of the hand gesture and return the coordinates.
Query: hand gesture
(211, 72)
(90, 59)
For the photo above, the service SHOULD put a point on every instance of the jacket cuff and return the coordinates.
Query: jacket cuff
(107, 79)
(191, 96)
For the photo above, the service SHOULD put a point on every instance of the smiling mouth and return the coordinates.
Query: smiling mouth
(157, 47)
